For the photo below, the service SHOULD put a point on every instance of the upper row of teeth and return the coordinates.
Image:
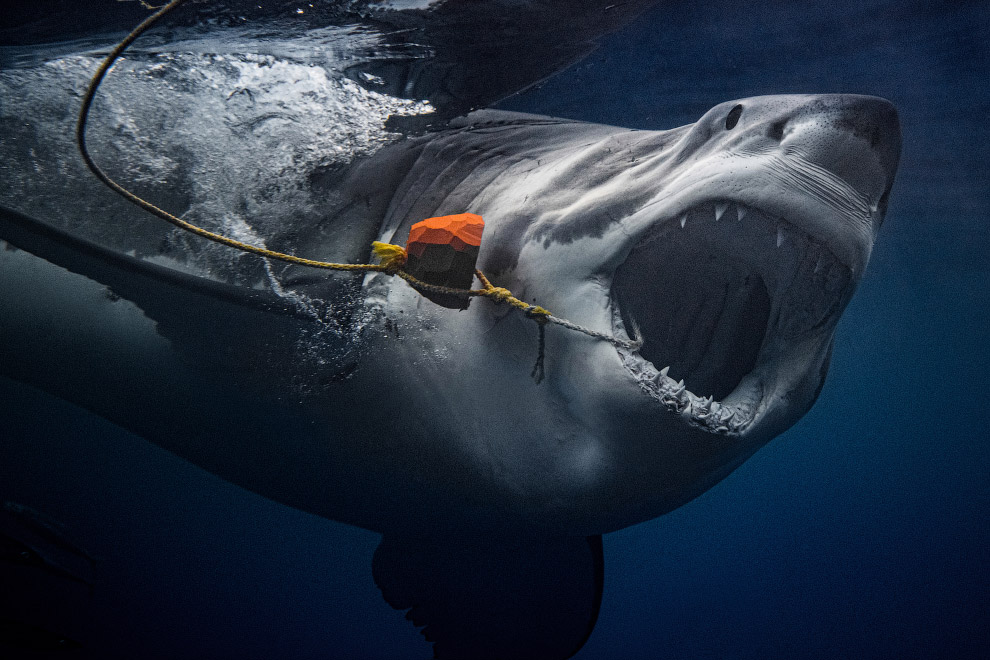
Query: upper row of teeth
(700, 410)
(722, 207)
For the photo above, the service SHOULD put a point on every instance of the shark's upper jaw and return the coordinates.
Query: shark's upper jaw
(725, 296)
(735, 274)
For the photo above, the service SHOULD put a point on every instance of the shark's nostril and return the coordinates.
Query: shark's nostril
(875, 137)
(776, 130)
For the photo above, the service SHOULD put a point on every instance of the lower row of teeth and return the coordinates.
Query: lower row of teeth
(700, 410)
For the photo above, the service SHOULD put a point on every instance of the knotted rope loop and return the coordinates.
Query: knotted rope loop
(393, 257)
(499, 294)
(538, 314)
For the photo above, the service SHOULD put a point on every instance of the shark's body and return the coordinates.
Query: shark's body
(732, 245)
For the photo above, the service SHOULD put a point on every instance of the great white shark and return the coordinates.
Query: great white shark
(729, 247)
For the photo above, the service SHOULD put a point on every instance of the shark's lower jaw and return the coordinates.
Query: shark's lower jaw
(723, 296)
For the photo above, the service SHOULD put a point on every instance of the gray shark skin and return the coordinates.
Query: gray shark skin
(730, 247)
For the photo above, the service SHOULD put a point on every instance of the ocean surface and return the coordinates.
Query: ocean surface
(863, 532)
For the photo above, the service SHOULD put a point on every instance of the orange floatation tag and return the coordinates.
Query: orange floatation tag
(444, 251)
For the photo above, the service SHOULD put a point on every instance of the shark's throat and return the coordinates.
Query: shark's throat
(719, 295)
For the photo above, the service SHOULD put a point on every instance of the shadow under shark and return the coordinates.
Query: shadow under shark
(731, 246)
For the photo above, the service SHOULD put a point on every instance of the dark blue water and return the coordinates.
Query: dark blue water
(864, 532)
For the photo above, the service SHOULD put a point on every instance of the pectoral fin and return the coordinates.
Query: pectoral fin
(480, 600)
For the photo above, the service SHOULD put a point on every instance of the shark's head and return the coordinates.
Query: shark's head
(736, 272)
(729, 247)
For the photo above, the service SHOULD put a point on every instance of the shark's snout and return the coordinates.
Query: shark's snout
(857, 138)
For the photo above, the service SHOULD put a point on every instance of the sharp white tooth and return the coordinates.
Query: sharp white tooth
(679, 388)
(720, 210)
(740, 211)
(780, 236)
(663, 372)
(683, 220)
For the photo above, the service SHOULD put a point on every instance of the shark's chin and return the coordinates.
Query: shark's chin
(728, 302)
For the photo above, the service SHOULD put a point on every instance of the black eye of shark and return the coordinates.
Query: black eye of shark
(733, 117)
(719, 296)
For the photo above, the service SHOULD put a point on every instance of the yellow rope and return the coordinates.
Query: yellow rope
(392, 257)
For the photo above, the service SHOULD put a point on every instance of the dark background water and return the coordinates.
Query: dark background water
(863, 532)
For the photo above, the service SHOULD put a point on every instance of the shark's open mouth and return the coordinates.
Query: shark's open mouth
(721, 295)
